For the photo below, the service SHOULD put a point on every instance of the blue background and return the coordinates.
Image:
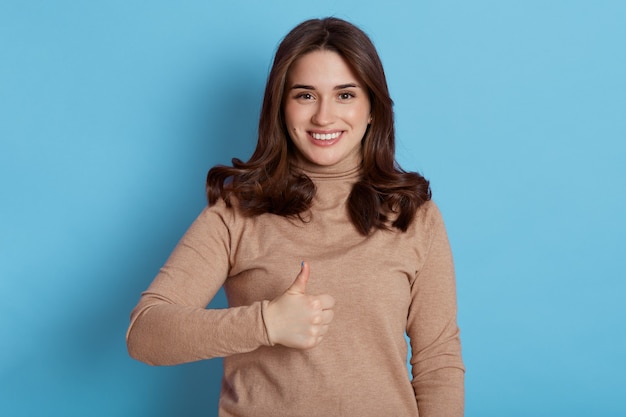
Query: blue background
(112, 112)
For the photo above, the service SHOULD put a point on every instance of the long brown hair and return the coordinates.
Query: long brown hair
(266, 184)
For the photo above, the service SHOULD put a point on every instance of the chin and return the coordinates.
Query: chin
(325, 162)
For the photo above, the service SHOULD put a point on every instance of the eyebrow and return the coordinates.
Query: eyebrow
(338, 87)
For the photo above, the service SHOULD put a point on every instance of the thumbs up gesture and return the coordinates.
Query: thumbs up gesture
(296, 319)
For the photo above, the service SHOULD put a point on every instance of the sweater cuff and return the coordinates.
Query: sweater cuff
(264, 305)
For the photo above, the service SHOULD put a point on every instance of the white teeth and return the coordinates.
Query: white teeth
(325, 136)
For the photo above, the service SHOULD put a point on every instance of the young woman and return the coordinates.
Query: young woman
(327, 250)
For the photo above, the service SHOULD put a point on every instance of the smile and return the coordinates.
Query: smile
(325, 136)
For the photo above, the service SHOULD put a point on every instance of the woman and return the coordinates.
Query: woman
(327, 250)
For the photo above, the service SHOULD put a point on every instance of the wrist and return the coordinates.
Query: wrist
(267, 314)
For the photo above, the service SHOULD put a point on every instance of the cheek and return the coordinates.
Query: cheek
(296, 123)
(291, 119)
(360, 118)
(287, 113)
(360, 114)
(291, 124)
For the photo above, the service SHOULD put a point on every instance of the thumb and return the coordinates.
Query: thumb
(299, 285)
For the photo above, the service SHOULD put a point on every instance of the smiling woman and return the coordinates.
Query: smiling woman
(323, 336)
(327, 112)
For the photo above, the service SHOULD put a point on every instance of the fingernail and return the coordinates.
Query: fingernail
(302, 264)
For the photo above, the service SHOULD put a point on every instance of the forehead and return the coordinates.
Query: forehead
(322, 68)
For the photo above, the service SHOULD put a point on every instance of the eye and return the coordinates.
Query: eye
(346, 95)
(305, 96)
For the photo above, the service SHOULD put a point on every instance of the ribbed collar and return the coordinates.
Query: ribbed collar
(348, 169)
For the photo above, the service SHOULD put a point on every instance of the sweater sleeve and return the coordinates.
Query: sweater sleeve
(171, 324)
(437, 367)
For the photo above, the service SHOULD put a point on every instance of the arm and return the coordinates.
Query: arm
(171, 325)
(437, 367)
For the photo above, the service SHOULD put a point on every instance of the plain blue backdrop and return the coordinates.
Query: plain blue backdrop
(112, 112)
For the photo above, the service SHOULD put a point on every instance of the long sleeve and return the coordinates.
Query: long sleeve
(171, 324)
(437, 367)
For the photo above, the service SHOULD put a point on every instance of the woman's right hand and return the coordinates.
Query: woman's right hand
(296, 319)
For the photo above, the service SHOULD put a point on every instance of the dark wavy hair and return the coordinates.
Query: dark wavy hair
(385, 196)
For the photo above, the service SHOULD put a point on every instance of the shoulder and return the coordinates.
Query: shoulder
(227, 211)
(217, 213)
(428, 226)
(218, 220)
(428, 215)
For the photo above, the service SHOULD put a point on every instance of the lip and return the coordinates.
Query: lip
(325, 142)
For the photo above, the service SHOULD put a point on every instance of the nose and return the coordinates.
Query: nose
(323, 115)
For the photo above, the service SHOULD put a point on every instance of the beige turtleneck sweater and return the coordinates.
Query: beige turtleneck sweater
(384, 284)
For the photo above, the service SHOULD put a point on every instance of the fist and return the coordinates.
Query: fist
(296, 319)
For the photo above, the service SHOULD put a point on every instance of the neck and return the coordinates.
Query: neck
(351, 165)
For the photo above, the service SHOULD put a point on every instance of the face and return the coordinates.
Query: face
(326, 107)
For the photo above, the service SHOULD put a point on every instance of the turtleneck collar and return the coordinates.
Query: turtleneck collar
(348, 168)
